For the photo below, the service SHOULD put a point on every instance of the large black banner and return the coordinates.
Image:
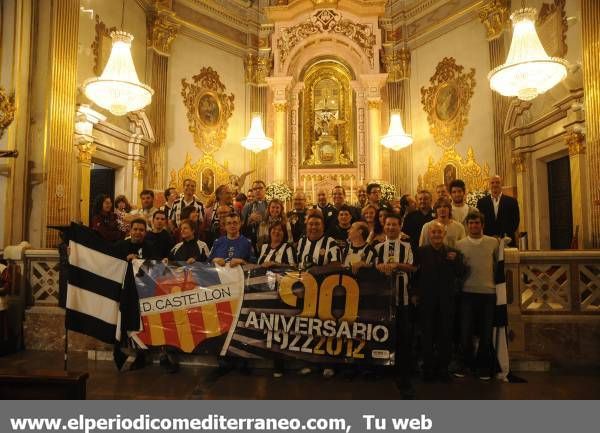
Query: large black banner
(325, 314)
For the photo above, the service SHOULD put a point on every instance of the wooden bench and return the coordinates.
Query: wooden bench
(42, 385)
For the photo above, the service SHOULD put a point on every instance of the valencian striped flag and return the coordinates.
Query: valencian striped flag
(94, 289)
(183, 306)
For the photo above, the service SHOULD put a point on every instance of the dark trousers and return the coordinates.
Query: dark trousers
(477, 318)
(436, 320)
(403, 343)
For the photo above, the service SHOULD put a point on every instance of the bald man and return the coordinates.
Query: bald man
(501, 212)
(436, 283)
(297, 216)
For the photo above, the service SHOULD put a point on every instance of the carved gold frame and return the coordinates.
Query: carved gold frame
(7, 110)
(207, 137)
(447, 132)
(474, 175)
(196, 171)
(313, 76)
(102, 45)
(552, 28)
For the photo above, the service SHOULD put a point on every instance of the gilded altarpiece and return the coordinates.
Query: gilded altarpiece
(447, 103)
(207, 173)
(327, 117)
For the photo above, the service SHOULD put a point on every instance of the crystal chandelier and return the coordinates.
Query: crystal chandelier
(256, 140)
(119, 89)
(396, 138)
(528, 71)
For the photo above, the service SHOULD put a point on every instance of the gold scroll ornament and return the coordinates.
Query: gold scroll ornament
(208, 109)
(452, 166)
(447, 102)
(207, 173)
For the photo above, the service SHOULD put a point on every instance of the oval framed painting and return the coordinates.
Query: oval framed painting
(447, 102)
(209, 110)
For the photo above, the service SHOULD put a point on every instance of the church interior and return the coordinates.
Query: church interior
(119, 96)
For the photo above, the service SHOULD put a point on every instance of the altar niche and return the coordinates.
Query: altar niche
(327, 116)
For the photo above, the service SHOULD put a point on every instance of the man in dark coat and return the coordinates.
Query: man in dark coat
(413, 222)
(501, 212)
(436, 283)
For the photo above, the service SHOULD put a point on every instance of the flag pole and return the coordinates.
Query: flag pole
(66, 354)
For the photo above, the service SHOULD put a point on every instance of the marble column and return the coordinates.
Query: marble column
(519, 163)
(279, 142)
(375, 150)
(86, 118)
(161, 33)
(372, 84)
(576, 144)
(280, 87)
(86, 150)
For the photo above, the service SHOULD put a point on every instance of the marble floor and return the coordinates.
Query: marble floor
(190, 382)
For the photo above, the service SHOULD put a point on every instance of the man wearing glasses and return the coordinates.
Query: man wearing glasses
(232, 248)
(253, 213)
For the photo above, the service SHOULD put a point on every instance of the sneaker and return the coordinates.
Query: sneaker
(459, 372)
(484, 374)
(305, 370)
(277, 374)
(328, 372)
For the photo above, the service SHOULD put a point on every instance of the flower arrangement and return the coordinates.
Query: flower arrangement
(473, 197)
(388, 191)
(279, 191)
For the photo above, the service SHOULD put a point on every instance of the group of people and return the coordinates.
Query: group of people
(441, 257)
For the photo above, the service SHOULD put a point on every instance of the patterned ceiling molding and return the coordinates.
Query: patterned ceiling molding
(229, 12)
(326, 21)
(447, 102)
(202, 21)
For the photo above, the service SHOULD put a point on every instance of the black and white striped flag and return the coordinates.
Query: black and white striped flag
(96, 276)
(500, 330)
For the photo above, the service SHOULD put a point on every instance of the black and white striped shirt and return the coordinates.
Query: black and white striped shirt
(320, 252)
(284, 254)
(366, 254)
(180, 204)
(396, 251)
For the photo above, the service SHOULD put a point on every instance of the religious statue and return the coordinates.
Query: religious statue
(326, 122)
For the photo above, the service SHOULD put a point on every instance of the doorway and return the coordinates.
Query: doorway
(102, 181)
(559, 198)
